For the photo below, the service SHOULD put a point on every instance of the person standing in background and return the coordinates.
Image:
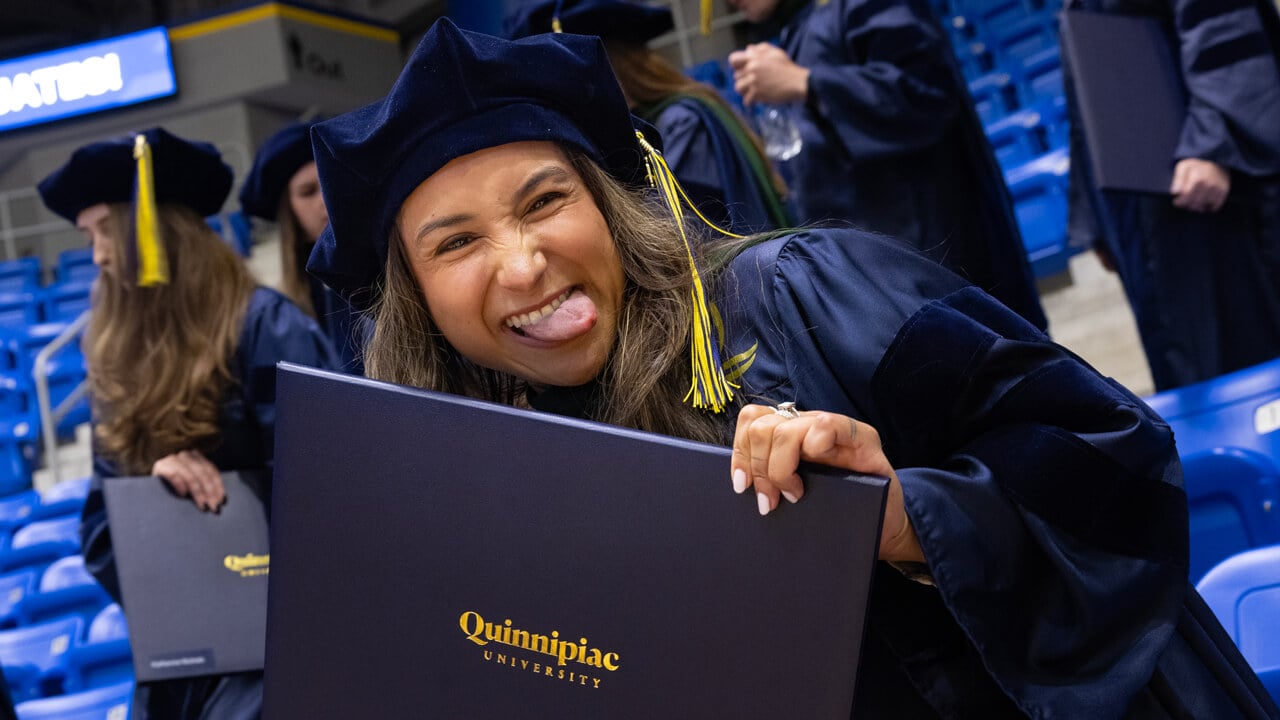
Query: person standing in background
(1200, 266)
(282, 187)
(718, 160)
(890, 139)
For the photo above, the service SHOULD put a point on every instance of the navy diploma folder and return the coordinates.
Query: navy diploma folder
(1130, 95)
(194, 584)
(435, 556)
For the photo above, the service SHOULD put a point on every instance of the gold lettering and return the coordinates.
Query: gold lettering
(561, 675)
(548, 673)
(477, 624)
(488, 654)
(593, 657)
(538, 643)
(611, 661)
(502, 659)
(493, 632)
(596, 681)
(568, 651)
(537, 668)
(520, 638)
(524, 664)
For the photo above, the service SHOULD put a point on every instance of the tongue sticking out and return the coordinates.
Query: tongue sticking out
(575, 316)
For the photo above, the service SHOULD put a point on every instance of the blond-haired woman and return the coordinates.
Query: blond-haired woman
(181, 349)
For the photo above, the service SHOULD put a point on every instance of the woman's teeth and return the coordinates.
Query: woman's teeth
(530, 318)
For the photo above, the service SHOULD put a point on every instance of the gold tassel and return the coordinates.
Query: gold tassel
(153, 265)
(555, 25)
(706, 17)
(710, 388)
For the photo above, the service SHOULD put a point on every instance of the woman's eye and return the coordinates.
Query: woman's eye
(454, 243)
(544, 200)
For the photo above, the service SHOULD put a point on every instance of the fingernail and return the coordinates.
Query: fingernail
(763, 501)
(739, 481)
(791, 497)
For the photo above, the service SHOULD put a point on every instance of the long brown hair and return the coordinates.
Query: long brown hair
(644, 381)
(647, 79)
(159, 357)
(293, 277)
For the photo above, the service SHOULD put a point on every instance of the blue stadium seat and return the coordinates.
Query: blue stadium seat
(1017, 38)
(76, 265)
(21, 274)
(1244, 592)
(17, 510)
(1039, 191)
(19, 432)
(42, 542)
(65, 589)
(35, 657)
(993, 96)
(1017, 138)
(62, 499)
(1040, 77)
(14, 587)
(1233, 501)
(19, 308)
(105, 657)
(108, 703)
(1240, 409)
(65, 301)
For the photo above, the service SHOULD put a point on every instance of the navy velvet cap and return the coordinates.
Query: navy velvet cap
(282, 155)
(460, 92)
(186, 173)
(629, 21)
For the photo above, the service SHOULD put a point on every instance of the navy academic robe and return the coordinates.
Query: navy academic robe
(1048, 499)
(725, 177)
(345, 328)
(892, 143)
(1205, 288)
(274, 330)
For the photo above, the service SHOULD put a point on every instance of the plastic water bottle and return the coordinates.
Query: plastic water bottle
(779, 131)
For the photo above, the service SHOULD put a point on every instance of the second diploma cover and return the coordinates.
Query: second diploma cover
(434, 556)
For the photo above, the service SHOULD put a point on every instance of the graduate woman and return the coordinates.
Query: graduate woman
(181, 349)
(1035, 530)
(718, 160)
(282, 187)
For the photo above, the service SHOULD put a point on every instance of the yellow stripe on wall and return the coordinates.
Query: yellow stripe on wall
(287, 12)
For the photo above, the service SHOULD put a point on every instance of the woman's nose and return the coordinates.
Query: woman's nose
(522, 262)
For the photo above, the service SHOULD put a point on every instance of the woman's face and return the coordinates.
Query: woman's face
(307, 202)
(757, 11)
(98, 225)
(516, 263)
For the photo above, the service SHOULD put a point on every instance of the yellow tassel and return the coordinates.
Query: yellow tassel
(706, 17)
(555, 25)
(153, 265)
(710, 388)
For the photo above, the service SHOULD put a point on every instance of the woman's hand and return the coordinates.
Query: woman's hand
(1200, 185)
(191, 475)
(768, 447)
(764, 73)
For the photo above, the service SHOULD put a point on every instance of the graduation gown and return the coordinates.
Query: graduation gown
(891, 143)
(346, 329)
(274, 330)
(1203, 286)
(1047, 499)
(718, 168)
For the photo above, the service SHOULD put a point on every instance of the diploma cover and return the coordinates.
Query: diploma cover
(1130, 95)
(194, 583)
(436, 556)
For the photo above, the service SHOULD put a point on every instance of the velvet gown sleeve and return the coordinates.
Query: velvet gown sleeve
(1047, 499)
(274, 330)
(884, 84)
(1230, 67)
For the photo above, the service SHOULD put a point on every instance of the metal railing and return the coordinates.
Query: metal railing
(51, 416)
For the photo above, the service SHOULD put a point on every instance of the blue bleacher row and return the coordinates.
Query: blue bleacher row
(32, 315)
(64, 644)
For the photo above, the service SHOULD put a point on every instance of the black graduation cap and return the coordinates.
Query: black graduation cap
(459, 93)
(629, 21)
(186, 172)
(282, 155)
